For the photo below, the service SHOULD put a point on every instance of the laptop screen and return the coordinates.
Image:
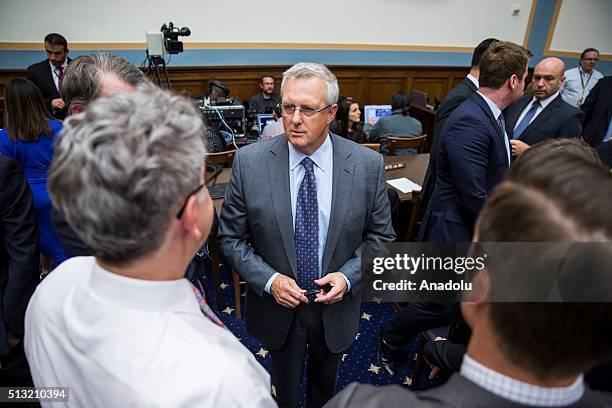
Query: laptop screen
(263, 120)
(376, 112)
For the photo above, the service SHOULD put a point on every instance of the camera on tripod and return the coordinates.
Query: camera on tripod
(171, 35)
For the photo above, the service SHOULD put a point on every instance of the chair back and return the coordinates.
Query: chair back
(373, 146)
(418, 143)
(225, 159)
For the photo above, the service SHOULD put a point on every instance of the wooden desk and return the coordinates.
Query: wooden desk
(414, 169)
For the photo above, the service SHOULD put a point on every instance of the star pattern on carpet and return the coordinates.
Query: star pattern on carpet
(262, 352)
(223, 285)
(376, 299)
(366, 316)
(344, 356)
(407, 381)
(374, 368)
(228, 310)
(357, 336)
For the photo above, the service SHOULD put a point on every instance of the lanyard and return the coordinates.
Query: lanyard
(584, 86)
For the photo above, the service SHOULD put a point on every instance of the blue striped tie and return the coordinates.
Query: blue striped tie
(307, 229)
(525, 122)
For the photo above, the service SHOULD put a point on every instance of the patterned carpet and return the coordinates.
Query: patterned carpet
(359, 362)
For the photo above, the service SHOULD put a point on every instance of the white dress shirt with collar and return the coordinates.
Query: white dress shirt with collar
(518, 391)
(118, 342)
(496, 114)
(55, 74)
(323, 167)
(543, 104)
(578, 84)
(473, 79)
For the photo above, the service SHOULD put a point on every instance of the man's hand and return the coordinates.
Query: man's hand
(338, 284)
(518, 147)
(434, 369)
(58, 103)
(286, 292)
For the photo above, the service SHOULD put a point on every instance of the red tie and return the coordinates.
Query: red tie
(199, 294)
(60, 77)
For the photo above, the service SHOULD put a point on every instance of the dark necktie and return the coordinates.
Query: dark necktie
(502, 125)
(307, 229)
(526, 119)
(60, 77)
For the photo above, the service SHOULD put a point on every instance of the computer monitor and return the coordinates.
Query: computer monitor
(376, 112)
(263, 120)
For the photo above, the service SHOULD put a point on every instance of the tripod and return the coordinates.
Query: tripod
(158, 65)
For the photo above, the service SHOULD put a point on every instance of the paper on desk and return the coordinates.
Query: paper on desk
(404, 185)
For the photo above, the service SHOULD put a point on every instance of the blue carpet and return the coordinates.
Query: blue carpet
(359, 362)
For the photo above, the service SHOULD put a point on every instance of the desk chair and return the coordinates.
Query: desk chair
(373, 146)
(418, 143)
(223, 158)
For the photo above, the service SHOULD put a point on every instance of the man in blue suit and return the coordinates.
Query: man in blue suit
(474, 150)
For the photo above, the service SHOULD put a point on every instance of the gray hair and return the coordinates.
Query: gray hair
(123, 168)
(312, 69)
(83, 77)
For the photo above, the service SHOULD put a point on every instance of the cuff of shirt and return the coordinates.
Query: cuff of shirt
(269, 282)
(348, 283)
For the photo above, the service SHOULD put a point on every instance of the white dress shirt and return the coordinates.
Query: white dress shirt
(119, 342)
(55, 74)
(496, 114)
(473, 79)
(543, 104)
(573, 91)
(518, 391)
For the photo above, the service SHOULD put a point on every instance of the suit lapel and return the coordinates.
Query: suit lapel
(470, 84)
(516, 113)
(546, 113)
(278, 174)
(342, 186)
(500, 132)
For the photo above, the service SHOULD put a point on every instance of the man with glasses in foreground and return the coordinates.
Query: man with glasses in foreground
(297, 212)
(125, 328)
(580, 80)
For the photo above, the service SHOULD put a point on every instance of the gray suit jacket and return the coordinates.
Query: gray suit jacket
(256, 232)
(458, 392)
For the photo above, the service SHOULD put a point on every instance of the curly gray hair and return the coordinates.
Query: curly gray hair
(122, 169)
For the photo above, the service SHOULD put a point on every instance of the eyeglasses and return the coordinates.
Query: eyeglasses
(591, 59)
(179, 214)
(288, 110)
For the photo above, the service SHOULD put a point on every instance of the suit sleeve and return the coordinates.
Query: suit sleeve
(31, 76)
(20, 235)
(378, 228)
(234, 235)
(588, 107)
(447, 107)
(572, 127)
(468, 147)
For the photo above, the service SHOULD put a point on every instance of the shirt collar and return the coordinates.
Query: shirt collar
(172, 295)
(473, 79)
(518, 391)
(545, 102)
(53, 67)
(321, 157)
(494, 108)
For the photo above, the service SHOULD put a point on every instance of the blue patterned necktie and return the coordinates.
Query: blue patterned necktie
(307, 229)
(502, 125)
(526, 119)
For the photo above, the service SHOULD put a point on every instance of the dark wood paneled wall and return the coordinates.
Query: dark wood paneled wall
(366, 84)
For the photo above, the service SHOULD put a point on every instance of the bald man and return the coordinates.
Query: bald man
(545, 114)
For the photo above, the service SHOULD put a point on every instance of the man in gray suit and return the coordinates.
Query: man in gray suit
(297, 212)
(526, 354)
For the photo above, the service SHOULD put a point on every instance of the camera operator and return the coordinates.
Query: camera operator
(265, 100)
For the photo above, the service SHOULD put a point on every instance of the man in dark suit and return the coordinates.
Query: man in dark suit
(48, 74)
(19, 269)
(526, 354)
(297, 213)
(598, 119)
(474, 150)
(545, 114)
(455, 97)
(89, 77)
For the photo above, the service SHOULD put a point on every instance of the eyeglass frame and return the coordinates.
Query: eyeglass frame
(301, 109)
(180, 212)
